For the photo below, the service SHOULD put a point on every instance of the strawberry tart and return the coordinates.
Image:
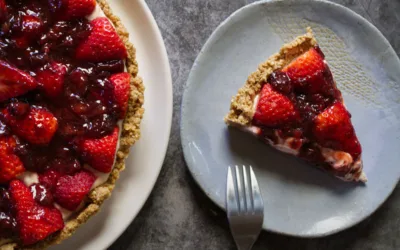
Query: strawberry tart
(293, 104)
(70, 108)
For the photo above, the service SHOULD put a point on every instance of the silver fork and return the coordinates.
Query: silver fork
(244, 206)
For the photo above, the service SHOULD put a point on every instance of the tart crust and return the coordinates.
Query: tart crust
(130, 133)
(241, 112)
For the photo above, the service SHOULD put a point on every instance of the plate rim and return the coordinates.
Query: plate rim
(107, 235)
(168, 123)
(189, 82)
(109, 232)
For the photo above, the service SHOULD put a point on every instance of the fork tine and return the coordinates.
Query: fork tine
(247, 190)
(244, 206)
(256, 194)
(231, 202)
(241, 195)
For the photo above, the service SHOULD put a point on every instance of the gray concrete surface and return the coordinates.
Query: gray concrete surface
(178, 215)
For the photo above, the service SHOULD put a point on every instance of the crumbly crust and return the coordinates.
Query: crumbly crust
(129, 135)
(241, 111)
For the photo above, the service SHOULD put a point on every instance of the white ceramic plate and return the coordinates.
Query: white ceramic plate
(299, 199)
(147, 156)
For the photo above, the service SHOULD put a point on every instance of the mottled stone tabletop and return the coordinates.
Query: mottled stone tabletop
(178, 215)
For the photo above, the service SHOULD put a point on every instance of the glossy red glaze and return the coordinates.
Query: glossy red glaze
(308, 83)
(31, 38)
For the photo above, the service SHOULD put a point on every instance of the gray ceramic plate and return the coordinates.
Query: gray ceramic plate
(299, 199)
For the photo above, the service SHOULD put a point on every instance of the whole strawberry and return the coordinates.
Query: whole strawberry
(103, 43)
(34, 124)
(36, 222)
(121, 83)
(51, 78)
(99, 153)
(70, 190)
(274, 109)
(10, 164)
(14, 82)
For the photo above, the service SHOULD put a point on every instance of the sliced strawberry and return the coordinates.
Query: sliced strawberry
(57, 167)
(99, 153)
(65, 164)
(7, 144)
(10, 167)
(10, 164)
(310, 74)
(103, 43)
(50, 178)
(306, 65)
(35, 222)
(35, 124)
(71, 190)
(333, 129)
(51, 78)
(72, 9)
(274, 109)
(14, 82)
(79, 8)
(121, 83)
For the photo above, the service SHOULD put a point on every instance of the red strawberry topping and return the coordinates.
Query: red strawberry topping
(71, 190)
(36, 222)
(333, 129)
(103, 44)
(50, 178)
(3, 10)
(51, 78)
(31, 28)
(34, 124)
(310, 74)
(42, 195)
(10, 164)
(65, 164)
(274, 109)
(121, 83)
(305, 66)
(72, 9)
(14, 82)
(63, 92)
(99, 153)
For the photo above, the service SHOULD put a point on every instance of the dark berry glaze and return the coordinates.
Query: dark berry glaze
(42, 194)
(31, 38)
(8, 224)
(86, 105)
(309, 103)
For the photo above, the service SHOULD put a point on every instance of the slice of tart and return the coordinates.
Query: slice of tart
(70, 108)
(293, 104)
